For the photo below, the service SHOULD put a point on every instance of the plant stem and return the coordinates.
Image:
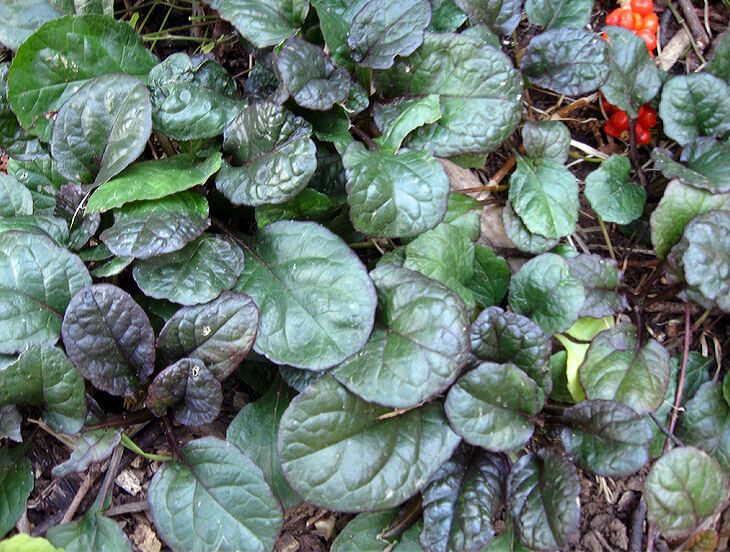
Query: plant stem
(172, 438)
(665, 430)
(125, 420)
(682, 373)
(681, 21)
(605, 237)
(635, 153)
(695, 25)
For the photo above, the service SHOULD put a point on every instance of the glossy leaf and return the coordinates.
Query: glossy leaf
(480, 93)
(92, 533)
(366, 460)
(335, 18)
(547, 140)
(93, 446)
(316, 301)
(684, 487)
(197, 273)
(518, 233)
(14, 140)
(273, 157)
(543, 499)
(544, 290)
(397, 119)
(490, 277)
(364, 533)
(394, 195)
(109, 339)
(502, 16)
(44, 225)
(606, 437)
(49, 67)
(308, 204)
(10, 420)
(15, 199)
(298, 378)
(707, 162)
(37, 281)
(418, 345)
(612, 194)
(559, 13)
(618, 368)
(145, 229)
(446, 16)
(719, 65)
(694, 105)
(705, 423)
(44, 376)
(601, 279)
(16, 483)
(40, 176)
(102, 128)
(21, 18)
(567, 61)
(219, 333)
(152, 180)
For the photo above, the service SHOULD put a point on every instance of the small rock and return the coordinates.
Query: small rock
(618, 535)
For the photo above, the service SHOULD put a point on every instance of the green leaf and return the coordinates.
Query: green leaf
(15, 199)
(254, 431)
(145, 229)
(316, 301)
(366, 461)
(705, 423)
(62, 56)
(601, 279)
(612, 194)
(383, 29)
(547, 140)
(309, 76)
(14, 140)
(152, 180)
(544, 291)
(567, 61)
(518, 233)
(41, 177)
(559, 13)
(44, 376)
(273, 156)
(394, 195)
(409, 356)
(707, 162)
(397, 119)
(682, 490)
(679, 204)
(491, 406)
(543, 499)
(93, 533)
(618, 368)
(308, 204)
(634, 77)
(220, 333)
(544, 194)
(502, 16)
(364, 534)
(606, 437)
(10, 420)
(93, 446)
(102, 128)
(480, 93)
(37, 281)
(109, 339)
(694, 105)
(335, 17)
(105, 7)
(16, 483)
(197, 273)
(462, 500)
(25, 543)
(216, 499)
(44, 225)
(558, 373)
(298, 378)
(192, 97)
(719, 65)
(697, 373)
(490, 277)
(21, 18)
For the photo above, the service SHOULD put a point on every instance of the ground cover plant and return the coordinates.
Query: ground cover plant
(171, 229)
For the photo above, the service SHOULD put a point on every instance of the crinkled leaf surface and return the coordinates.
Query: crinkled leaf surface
(518, 233)
(109, 339)
(559, 13)
(37, 280)
(601, 279)
(93, 533)
(617, 368)
(189, 390)
(606, 437)
(14, 140)
(40, 175)
(264, 23)
(273, 156)
(502, 16)
(316, 301)
(153, 179)
(547, 140)
(544, 290)
(44, 225)
(298, 378)
(192, 97)
(216, 500)
(491, 406)
(339, 452)
(567, 61)
(679, 204)
(10, 420)
(63, 55)
(544, 194)
(684, 487)
(462, 500)
(694, 105)
(21, 18)
(364, 534)
(490, 277)
(634, 77)
(705, 423)
(254, 431)
(612, 194)
(543, 499)
(394, 195)
(397, 119)
(308, 204)
(44, 376)
(220, 333)
(707, 161)
(15, 199)
(145, 229)
(102, 128)
(480, 93)
(418, 345)
(719, 65)
(383, 29)
(93, 446)
(446, 16)
(197, 273)
(16, 483)
(335, 17)
(309, 76)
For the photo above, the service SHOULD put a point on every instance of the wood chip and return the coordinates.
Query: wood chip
(145, 538)
(128, 481)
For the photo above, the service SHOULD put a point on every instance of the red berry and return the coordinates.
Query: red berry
(643, 136)
(619, 120)
(647, 116)
(651, 23)
(613, 17)
(642, 7)
(649, 38)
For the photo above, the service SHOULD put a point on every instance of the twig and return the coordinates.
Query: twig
(171, 437)
(637, 526)
(682, 372)
(665, 431)
(695, 25)
(682, 22)
(111, 474)
(635, 153)
(129, 508)
(83, 489)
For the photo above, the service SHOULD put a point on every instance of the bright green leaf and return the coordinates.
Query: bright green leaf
(93, 533)
(559, 13)
(707, 161)
(612, 194)
(546, 139)
(397, 119)
(16, 483)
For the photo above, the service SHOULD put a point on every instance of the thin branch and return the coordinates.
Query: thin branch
(682, 372)
(695, 25)
(81, 493)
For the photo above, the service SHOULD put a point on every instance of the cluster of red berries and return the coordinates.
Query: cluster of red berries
(643, 22)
